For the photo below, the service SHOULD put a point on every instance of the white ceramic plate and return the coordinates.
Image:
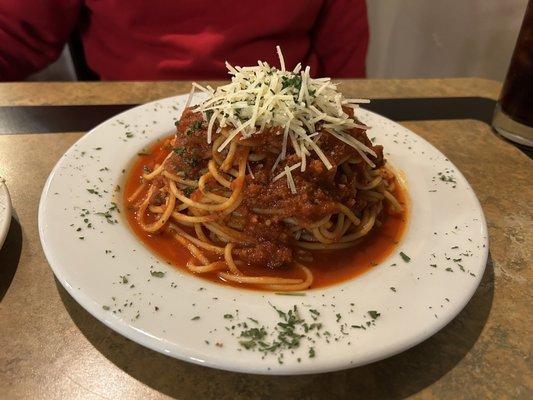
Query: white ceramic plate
(108, 271)
(5, 212)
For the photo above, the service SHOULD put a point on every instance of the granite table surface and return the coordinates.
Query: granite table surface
(51, 348)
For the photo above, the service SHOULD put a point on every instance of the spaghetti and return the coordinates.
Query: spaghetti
(266, 172)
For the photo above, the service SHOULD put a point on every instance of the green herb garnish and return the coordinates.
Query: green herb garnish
(108, 213)
(294, 81)
(188, 191)
(373, 314)
(194, 127)
(290, 293)
(405, 257)
(447, 179)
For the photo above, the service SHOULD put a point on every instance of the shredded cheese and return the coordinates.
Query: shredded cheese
(191, 93)
(290, 180)
(203, 89)
(210, 126)
(250, 170)
(281, 59)
(260, 97)
(347, 101)
(275, 164)
(285, 171)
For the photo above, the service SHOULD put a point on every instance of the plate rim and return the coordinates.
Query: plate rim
(7, 213)
(185, 354)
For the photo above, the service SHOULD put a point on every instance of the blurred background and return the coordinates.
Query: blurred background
(419, 38)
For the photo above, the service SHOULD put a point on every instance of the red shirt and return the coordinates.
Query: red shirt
(184, 39)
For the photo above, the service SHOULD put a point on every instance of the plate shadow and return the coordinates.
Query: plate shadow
(10, 256)
(393, 378)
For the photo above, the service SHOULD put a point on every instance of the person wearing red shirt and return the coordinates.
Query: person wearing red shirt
(184, 39)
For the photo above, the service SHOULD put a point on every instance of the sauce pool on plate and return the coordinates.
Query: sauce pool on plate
(328, 266)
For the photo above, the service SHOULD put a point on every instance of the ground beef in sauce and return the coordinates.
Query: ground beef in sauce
(269, 254)
(319, 190)
(190, 150)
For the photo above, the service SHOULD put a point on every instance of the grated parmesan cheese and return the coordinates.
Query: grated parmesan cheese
(260, 97)
(290, 180)
(250, 170)
(286, 171)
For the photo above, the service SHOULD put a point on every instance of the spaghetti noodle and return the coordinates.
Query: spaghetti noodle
(268, 170)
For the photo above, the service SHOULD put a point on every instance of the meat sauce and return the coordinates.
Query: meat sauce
(267, 239)
(318, 191)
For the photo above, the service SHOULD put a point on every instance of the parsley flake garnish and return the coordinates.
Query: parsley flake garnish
(295, 81)
(373, 314)
(188, 191)
(196, 125)
(445, 178)
(405, 257)
(290, 293)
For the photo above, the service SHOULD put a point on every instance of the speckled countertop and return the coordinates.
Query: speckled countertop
(50, 348)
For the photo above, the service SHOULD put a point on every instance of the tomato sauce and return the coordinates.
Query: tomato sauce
(329, 267)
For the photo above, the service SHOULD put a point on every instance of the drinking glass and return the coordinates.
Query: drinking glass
(513, 117)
